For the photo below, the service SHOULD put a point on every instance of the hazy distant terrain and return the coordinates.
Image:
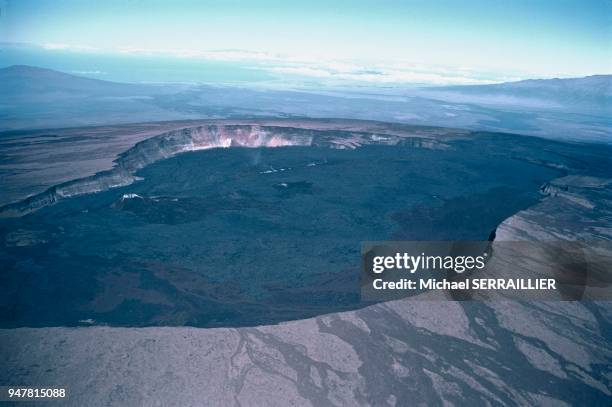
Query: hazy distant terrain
(571, 109)
(589, 95)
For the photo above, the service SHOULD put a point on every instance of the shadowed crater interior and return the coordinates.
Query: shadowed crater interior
(249, 236)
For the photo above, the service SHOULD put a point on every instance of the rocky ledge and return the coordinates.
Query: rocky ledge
(209, 136)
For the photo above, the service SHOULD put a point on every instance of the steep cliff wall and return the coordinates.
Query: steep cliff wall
(204, 137)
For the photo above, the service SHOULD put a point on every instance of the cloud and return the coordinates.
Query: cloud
(377, 74)
(55, 46)
(326, 71)
(68, 47)
(215, 55)
(89, 72)
(301, 71)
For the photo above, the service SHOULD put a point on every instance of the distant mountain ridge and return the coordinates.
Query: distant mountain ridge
(595, 86)
(18, 81)
(576, 108)
(586, 93)
(603, 82)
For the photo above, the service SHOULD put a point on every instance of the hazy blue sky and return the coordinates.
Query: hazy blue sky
(490, 40)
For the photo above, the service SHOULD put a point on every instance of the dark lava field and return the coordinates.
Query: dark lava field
(250, 236)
